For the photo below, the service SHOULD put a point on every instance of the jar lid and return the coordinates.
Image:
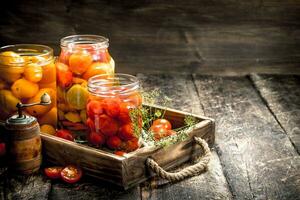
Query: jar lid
(23, 120)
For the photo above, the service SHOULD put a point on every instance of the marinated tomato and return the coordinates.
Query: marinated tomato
(71, 174)
(53, 172)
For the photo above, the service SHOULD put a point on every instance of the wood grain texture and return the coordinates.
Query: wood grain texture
(168, 35)
(247, 138)
(209, 185)
(282, 95)
(34, 186)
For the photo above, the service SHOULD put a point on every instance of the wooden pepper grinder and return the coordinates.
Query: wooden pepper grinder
(23, 140)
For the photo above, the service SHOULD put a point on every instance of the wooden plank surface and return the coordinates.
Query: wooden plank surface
(24, 187)
(160, 36)
(282, 95)
(209, 185)
(248, 139)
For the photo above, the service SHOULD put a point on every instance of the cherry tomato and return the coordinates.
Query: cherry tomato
(131, 145)
(90, 123)
(157, 128)
(124, 115)
(53, 172)
(111, 106)
(94, 108)
(165, 123)
(119, 153)
(107, 125)
(64, 57)
(71, 174)
(96, 139)
(65, 134)
(64, 75)
(80, 61)
(2, 149)
(114, 142)
(126, 132)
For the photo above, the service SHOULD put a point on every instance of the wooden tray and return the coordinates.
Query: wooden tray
(129, 170)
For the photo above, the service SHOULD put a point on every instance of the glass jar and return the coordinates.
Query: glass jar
(81, 57)
(27, 71)
(113, 114)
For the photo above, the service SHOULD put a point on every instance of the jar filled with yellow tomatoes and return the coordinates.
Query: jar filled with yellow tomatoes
(27, 71)
(113, 112)
(81, 57)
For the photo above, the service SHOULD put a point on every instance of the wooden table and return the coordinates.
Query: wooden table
(256, 155)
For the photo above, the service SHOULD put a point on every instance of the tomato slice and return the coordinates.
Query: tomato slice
(53, 172)
(165, 123)
(71, 174)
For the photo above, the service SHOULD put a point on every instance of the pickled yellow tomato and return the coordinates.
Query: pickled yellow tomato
(10, 58)
(23, 88)
(48, 129)
(8, 101)
(33, 72)
(77, 96)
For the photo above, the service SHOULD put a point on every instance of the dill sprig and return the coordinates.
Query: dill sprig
(149, 114)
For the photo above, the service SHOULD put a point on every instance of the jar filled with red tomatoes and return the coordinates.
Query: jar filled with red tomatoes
(27, 71)
(81, 57)
(113, 112)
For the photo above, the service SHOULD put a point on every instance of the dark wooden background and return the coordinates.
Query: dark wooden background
(208, 36)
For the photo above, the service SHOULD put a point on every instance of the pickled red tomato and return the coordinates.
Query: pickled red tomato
(107, 125)
(90, 124)
(96, 139)
(114, 142)
(64, 75)
(111, 106)
(124, 116)
(131, 145)
(94, 108)
(126, 132)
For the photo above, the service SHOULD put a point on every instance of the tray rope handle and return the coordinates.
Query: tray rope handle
(186, 172)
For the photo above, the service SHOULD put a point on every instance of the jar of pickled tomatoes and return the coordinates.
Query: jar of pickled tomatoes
(113, 112)
(27, 71)
(81, 57)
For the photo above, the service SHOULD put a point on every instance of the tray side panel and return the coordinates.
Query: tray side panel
(94, 163)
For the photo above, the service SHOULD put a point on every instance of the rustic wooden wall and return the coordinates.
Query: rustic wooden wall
(226, 36)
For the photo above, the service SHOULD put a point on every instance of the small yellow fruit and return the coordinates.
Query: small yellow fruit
(48, 129)
(49, 117)
(77, 96)
(73, 117)
(24, 89)
(83, 115)
(8, 101)
(33, 72)
(10, 58)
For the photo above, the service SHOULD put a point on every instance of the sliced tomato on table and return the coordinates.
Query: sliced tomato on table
(53, 172)
(71, 174)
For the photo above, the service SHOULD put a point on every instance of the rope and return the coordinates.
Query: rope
(186, 172)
